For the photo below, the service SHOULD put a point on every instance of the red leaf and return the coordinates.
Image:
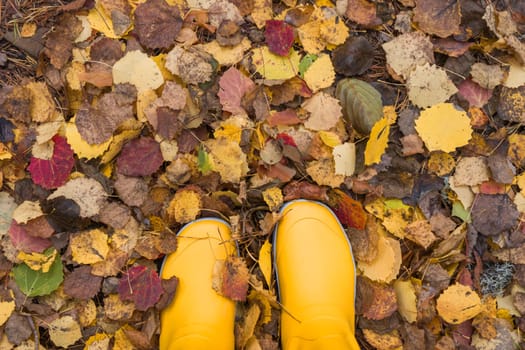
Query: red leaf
(286, 117)
(474, 94)
(142, 286)
(491, 187)
(234, 277)
(279, 37)
(286, 139)
(349, 211)
(53, 173)
(23, 241)
(233, 86)
(140, 157)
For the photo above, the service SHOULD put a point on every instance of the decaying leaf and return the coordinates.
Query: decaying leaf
(185, 205)
(230, 278)
(64, 331)
(429, 85)
(325, 111)
(375, 301)
(441, 18)
(141, 285)
(157, 24)
(406, 51)
(458, 303)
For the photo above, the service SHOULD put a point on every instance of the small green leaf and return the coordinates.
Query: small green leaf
(34, 283)
(204, 161)
(305, 63)
(459, 211)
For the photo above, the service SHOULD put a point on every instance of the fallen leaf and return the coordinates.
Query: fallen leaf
(349, 211)
(443, 127)
(227, 159)
(39, 261)
(64, 331)
(361, 104)
(34, 283)
(262, 12)
(272, 66)
(87, 193)
(378, 141)
(406, 300)
(6, 309)
(511, 104)
(192, 66)
(53, 173)
(157, 24)
(42, 105)
(420, 232)
(344, 159)
(141, 285)
(362, 12)
(354, 57)
(471, 171)
(322, 171)
(138, 69)
(474, 94)
(458, 303)
(273, 197)
(325, 111)
(265, 262)
(376, 301)
(383, 341)
(493, 214)
(26, 211)
(99, 341)
(320, 74)
(441, 163)
(81, 284)
(386, 265)
(441, 18)
(407, 51)
(429, 85)
(116, 309)
(487, 76)
(185, 205)
(230, 278)
(89, 247)
(233, 86)
(133, 191)
(227, 55)
(140, 157)
(279, 37)
(23, 241)
(80, 146)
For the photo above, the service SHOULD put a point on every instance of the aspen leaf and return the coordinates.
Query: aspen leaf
(99, 341)
(344, 159)
(230, 278)
(406, 300)
(87, 193)
(26, 211)
(383, 341)
(262, 12)
(227, 55)
(378, 140)
(33, 283)
(81, 147)
(323, 173)
(137, 69)
(89, 247)
(349, 211)
(406, 51)
(227, 158)
(265, 261)
(320, 74)
(385, 267)
(441, 18)
(420, 232)
(275, 67)
(273, 197)
(444, 127)
(233, 86)
(140, 285)
(458, 303)
(7, 207)
(6, 309)
(325, 111)
(185, 206)
(429, 85)
(471, 171)
(64, 331)
(39, 261)
(279, 37)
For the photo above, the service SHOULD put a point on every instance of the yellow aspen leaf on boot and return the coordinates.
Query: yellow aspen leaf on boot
(444, 127)
(185, 206)
(230, 278)
(458, 303)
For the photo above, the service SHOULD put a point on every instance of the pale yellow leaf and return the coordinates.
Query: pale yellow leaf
(265, 261)
(26, 211)
(262, 12)
(406, 300)
(310, 37)
(471, 171)
(385, 267)
(88, 193)
(344, 159)
(137, 69)
(273, 197)
(384, 341)
(444, 127)
(458, 303)
(429, 85)
(98, 341)
(86, 29)
(325, 111)
(64, 331)
(89, 247)
(87, 312)
(464, 193)
(320, 74)
(227, 55)
(516, 75)
(406, 51)
(275, 67)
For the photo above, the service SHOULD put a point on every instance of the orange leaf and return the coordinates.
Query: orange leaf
(349, 211)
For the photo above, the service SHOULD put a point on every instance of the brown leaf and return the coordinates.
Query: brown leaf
(131, 190)
(230, 278)
(375, 301)
(112, 265)
(170, 287)
(137, 338)
(420, 231)
(306, 190)
(106, 50)
(60, 41)
(157, 24)
(354, 57)
(17, 329)
(365, 242)
(363, 12)
(439, 17)
(493, 214)
(288, 90)
(39, 227)
(511, 104)
(140, 157)
(81, 284)
(114, 214)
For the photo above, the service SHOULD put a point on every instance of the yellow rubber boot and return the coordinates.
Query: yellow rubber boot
(316, 279)
(198, 318)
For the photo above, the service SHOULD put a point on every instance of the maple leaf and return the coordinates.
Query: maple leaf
(279, 37)
(140, 157)
(53, 173)
(140, 285)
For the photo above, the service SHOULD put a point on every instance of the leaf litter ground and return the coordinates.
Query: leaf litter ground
(404, 116)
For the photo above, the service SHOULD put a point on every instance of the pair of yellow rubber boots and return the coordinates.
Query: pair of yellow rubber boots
(315, 277)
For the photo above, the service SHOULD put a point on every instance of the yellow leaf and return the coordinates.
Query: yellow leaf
(334, 31)
(81, 147)
(144, 99)
(138, 69)
(458, 303)
(28, 30)
(406, 300)
(116, 145)
(98, 341)
(101, 21)
(232, 128)
(428, 85)
(160, 60)
(38, 261)
(262, 12)
(329, 138)
(273, 197)
(116, 309)
(89, 247)
(441, 163)
(64, 331)
(383, 341)
(4, 152)
(42, 106)
(310, 37)
(185, 206)
(275, 67)
(443, 127)
(516, 152)
(227, 55)
(323, 173)
(378, 141)
(265, 261)
(227, 158)
(320, 74)
(6, 309)
(87, 312)
(385, 266)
